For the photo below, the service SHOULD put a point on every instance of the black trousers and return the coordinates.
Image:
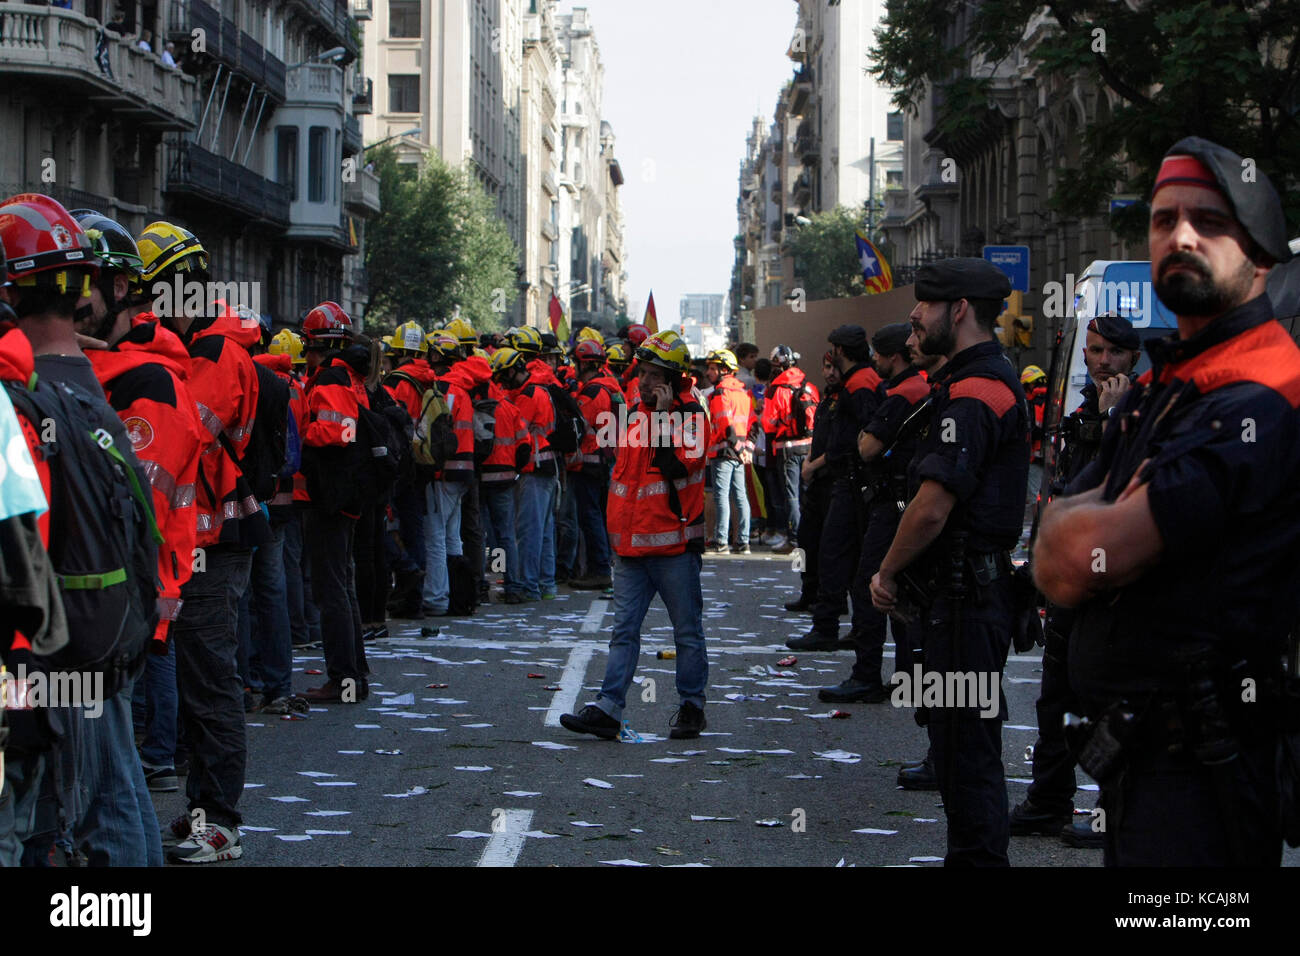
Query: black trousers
(1054, 782)
(371, 563)
(815, 500)
(838, 555)
(210, 693)
(1168, 810)
(966, 743)
(869, 625)
(333, 582)
(471, 533)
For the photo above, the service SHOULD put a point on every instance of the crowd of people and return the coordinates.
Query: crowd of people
(188, 496)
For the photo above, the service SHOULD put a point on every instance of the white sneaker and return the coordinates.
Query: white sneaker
(210, 843)
(767, 537)
(778, 541)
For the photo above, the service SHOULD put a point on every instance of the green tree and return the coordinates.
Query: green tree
(1224, 71)
(437, 244)
(826, 255)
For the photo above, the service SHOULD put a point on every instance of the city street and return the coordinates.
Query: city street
(417, 775)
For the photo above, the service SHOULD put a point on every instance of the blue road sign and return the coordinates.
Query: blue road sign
(1014, 261)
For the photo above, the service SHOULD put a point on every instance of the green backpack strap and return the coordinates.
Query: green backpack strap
(105, 441)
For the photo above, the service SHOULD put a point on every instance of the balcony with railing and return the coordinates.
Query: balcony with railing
(351, 135)
(314, 84)
(363, 96)
(59, 46)
(362, 9)
(194, 172)
(362, 196)
(226, 44)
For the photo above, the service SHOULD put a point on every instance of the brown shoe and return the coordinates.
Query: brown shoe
(329, 692)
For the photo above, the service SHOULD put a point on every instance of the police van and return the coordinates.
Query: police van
(1124, 288)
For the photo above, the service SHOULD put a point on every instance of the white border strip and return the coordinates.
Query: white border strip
(570, 683)
(504, 848)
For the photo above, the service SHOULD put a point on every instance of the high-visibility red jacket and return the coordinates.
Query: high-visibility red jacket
(656, 495)
(511, 448)
(335, 394)
(596, 401)
(779, 414)
(143, 377)
(537, 410)
(731, 412)
(408, 385)
(456, 383)
(223, 382)
(631, 385)
(1038, 405)
(286, 491)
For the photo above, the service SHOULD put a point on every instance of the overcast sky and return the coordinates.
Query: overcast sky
(683, 82)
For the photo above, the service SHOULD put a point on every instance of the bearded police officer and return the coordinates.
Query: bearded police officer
(1180, 543)
(1110, 353)
(951, 556)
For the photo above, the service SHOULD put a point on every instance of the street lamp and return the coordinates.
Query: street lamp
(408, 132)
(333, 53)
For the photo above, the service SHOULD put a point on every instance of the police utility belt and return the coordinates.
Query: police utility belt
(931, 578)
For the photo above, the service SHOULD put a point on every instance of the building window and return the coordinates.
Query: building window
(404, 93)
(317, 160)
(894, 126)
(286, 159)
(404, 18)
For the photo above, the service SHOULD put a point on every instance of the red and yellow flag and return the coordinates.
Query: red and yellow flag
(651, 319)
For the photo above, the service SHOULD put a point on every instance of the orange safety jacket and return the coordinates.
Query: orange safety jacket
(143, 377)
(537, 411)
(656, 495)
(335, 394)
(511, 448)
(456, 383)
(286, 490)
(778, 412)
(731, 412)
(409, 383)
(596, 399)
(223, 382)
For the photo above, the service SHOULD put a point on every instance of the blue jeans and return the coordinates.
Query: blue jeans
(566, 529)
(304, 618)
(408, 503)
(791, 466)
(155, 696)
(498, 507)
(537, 534)
(730, 482)
(265, 638)
(589, 493)
(676, 579)
(442, 539)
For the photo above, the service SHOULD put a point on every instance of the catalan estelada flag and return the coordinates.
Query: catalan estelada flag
(559, 324)
(651, 319)
(875, 270)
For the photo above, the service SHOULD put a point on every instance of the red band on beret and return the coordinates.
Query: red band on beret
(1184, 169)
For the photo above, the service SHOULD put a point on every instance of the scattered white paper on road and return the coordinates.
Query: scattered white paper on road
(291, 800)
(551, 745)
(593, 782)
(873, 830)
(839, 756)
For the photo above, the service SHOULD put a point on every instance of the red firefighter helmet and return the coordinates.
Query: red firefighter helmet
(636, 335)
(326, 324)
(45, 244)
(589, 350)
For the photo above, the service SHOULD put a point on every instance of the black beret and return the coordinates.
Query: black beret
(1254, 201)
(1116, 330)
(892, 339)
(848, 335)
(951, 279)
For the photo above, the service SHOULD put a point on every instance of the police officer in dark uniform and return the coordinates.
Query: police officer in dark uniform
(1110, 352)
(886, 450)
(845, 514)
(1179, 545)
(815, 494)
(950, 558)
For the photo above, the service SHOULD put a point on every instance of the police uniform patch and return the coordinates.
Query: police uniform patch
(139, 431)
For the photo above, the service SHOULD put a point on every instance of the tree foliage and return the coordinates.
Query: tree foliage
(1224, 71)
(438, 244)
(825, 255)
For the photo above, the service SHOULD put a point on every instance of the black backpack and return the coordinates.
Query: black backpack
(569, 424)
(485, 428)
(103, 538)
(800, 403)
(381, 446)
(266, 455)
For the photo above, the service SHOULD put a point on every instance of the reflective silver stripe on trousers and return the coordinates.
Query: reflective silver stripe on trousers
(210, 421)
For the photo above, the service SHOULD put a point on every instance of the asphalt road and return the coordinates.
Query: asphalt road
(480, 773)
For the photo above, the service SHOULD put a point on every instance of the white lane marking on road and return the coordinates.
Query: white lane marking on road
(570, 683)
(591, 623)
(503, 848)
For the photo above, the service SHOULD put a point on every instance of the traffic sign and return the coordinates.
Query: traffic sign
(1014, 261)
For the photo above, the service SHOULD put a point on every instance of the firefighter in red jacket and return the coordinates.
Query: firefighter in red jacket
(731, 412)
(336, 391)
(599, 400)
(498, 476)
(230, 523)
(790, 402)
(656, 527)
